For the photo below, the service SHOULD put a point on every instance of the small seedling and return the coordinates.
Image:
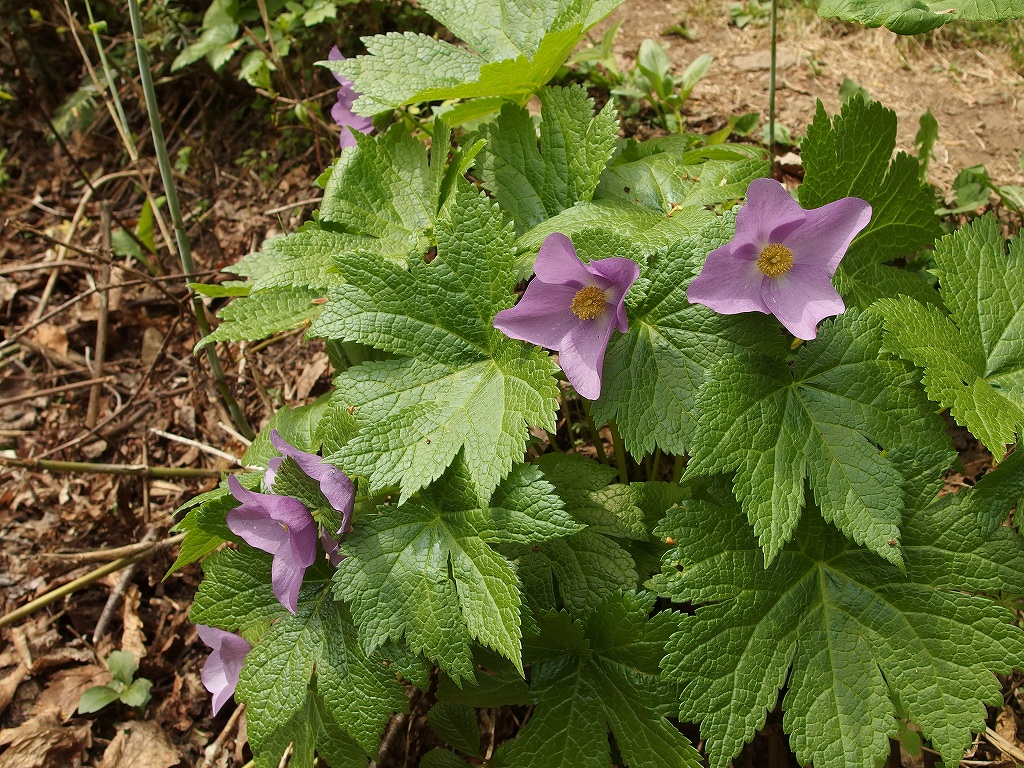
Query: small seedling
(123, 688)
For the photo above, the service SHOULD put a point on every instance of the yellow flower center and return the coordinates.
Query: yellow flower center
(588, 302)
(775, 259)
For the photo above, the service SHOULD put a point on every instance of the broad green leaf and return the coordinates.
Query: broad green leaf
(424, 571)
(912, 17)
(459, 385)
(973, 359)
(353, 694)
(137, 694)
(589, 565)
(263, 314)
(533, 183)
(496, 683)
(1001, 490)
(442, 758)
(669, 173)
(850, 156)
(596, 676)
(122, 665)
(652, 373)
(96, 698)
(832, 418)
(519, 46)
(847, 633)
(457, 724)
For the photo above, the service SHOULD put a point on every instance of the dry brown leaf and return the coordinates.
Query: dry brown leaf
(9, 684)
(1006, 725)
(51, 337)
(61, 695)
(133, 639)
(140, 744)
(311, 373)
(43, 742)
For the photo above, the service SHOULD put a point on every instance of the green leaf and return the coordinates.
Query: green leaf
(1000, 490)
(96, 698)
(531, 185)
(442, 758)
(973, 359)
(587, 566)
(122, 665)
(457, 724)
(423, 571)
(353, 695)
(652, 373)
(264, 314)
(850, 156)
(832, 418)
(520, 47)
(845, 632)
(912, 17)
(597, 676)
(496, 683)
(235, 594)
(669, 173)
(459, 385)
(137, 694)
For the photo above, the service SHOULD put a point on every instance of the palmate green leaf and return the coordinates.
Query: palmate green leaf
(340, 711)
(519, 47)
(834, 419)
(531, 185)
(459, 385)
(973, 359)
(424, 572)
(850, 156)
(846, 632)
(911, 17)
(669, 173)
(580, 569)
(652, 373)
(595, 676)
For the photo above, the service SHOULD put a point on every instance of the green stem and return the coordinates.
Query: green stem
(568, 423)
(112, 469)
(594, 434)
(171, 193)
(655, 463)
(620, 452)
(677, 469)
(771, 81)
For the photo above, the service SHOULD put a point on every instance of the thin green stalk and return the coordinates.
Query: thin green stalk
(655, 463)
(111, 85)
(111, 469)
(171, 193)
(620, 452)
(771, 81)
(568, 423)
(677, 469)
(595, 435)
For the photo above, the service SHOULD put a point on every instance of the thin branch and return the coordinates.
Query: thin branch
(134, 470)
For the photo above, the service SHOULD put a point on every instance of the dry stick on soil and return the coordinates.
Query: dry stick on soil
(213, 751)
(1008, 748)
(171, 194)
(60, 389)
(100, 355)
(118, 591)
(196, 444)
(75, 559)
(73, 586)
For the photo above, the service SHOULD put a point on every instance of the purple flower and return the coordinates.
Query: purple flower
(572, 307)
(335, 485)
(342, 112)
(782, 259)
(220, 673)
(281, 526)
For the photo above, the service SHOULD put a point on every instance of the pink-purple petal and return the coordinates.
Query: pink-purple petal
(224, 664)
(335, 485)
(728, 285)
(558, 264)
(257, 529)
(827, 233)
(770, 212)
(543, 315)
(581, 354)
(802, 298)
(286, 578)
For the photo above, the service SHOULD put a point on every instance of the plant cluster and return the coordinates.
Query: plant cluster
(723, 491)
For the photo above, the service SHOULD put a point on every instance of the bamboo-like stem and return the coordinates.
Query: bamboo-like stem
(100, 352)
(620, 452)
(771, 81)
(104, 555)
(140, 470)
(180, 236)
(83, 581)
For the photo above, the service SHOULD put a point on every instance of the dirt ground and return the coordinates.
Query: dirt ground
(974, 92)
(156, 406)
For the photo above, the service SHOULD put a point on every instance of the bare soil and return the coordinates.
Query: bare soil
(156, 403)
